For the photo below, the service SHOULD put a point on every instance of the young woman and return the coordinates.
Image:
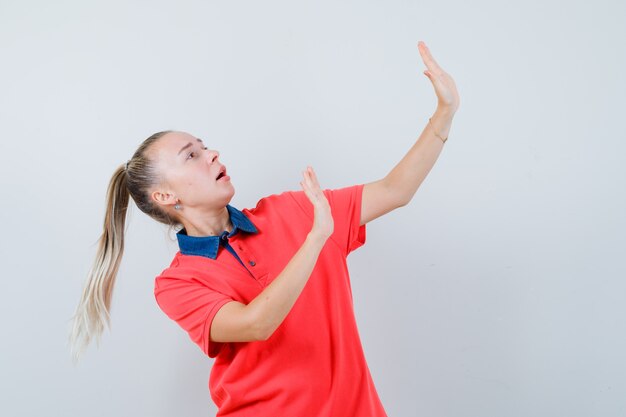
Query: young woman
(265, 290)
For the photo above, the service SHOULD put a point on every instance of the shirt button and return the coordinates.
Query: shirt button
(252, 263)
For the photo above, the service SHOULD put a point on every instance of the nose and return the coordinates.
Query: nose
(213, 155)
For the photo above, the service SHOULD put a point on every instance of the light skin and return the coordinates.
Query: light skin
(190, 179)
(398, 187)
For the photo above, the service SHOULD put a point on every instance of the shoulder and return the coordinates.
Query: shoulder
(279, 202)
(185, 268)
(298, 200)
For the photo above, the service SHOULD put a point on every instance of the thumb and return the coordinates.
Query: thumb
(433, 79)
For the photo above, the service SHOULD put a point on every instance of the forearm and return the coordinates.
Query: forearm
(272, 305)
(405, 178)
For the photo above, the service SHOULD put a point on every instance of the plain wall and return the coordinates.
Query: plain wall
(497, 291)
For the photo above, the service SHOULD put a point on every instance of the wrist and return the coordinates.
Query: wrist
(316, 238)
(441, 121)
(443, 114)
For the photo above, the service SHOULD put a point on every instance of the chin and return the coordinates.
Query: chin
(231, 193)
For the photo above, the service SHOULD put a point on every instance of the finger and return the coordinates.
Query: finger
(313, 186)
(313, 176)
(427, 57)
(309, 175)
(307, 191)
(307, 179)
(306, 188)
(435, 79)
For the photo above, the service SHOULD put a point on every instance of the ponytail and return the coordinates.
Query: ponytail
(134, 179)
(93, 310)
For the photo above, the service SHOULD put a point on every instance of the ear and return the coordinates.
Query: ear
(163, 198)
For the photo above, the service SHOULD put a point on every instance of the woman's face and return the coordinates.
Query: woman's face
(189, 172)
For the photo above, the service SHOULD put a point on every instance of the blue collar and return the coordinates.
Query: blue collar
(208, 245)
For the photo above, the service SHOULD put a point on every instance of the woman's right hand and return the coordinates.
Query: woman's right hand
(323, 224)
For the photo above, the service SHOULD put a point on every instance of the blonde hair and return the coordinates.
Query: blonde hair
(93, 310)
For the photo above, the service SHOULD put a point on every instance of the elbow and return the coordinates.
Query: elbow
(263, 336)
(401, 202)
(404, 198)
(262, 333)
(397, 196)
(261, 330)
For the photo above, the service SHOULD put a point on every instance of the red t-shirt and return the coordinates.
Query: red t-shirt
(313, 364)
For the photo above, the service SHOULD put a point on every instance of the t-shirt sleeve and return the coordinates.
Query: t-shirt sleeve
(193, 306)
(345, 205)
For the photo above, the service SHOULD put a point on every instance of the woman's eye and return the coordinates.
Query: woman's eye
(191, 153)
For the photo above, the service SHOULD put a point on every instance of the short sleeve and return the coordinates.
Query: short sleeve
(193, 306)
(345, 205)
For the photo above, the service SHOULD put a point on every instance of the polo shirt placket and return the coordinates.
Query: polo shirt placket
(208, 246)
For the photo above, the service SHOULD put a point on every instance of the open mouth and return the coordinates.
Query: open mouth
(221, 174)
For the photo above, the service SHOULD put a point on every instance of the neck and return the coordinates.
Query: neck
(211, 223)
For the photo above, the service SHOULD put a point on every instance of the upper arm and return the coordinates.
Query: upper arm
(378, 199)
(233, 323)
(194, 307)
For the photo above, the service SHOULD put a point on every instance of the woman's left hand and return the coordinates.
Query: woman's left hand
(447, 95)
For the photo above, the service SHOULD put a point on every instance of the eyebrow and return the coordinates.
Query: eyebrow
(186, 146)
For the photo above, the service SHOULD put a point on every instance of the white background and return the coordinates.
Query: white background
(498, 291)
